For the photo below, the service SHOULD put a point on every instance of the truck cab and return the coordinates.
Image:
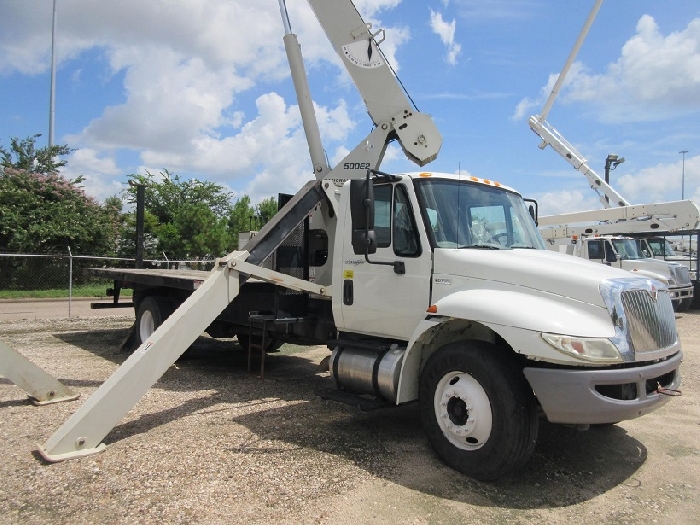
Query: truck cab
(445, 294)
(623, 252)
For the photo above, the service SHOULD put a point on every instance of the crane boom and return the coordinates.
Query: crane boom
(551, 137)
(668, 217)
(393, 115)
(625, 218)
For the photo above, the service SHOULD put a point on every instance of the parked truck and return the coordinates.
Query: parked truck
(622, 252)
(427, 287)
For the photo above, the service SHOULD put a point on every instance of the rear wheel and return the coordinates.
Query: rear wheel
(152, 312)
(478, 410)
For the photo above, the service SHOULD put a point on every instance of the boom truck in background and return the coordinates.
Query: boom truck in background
(427, 287)
(623, 252)
(605, 235)
(661, 248)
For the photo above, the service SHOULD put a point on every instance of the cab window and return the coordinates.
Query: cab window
(394, 222)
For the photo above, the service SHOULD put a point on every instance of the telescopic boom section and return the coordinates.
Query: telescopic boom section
(306, 105)
(551, 137)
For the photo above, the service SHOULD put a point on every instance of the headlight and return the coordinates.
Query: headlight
(593, 349)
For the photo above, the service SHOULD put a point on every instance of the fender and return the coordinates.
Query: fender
(517, 316)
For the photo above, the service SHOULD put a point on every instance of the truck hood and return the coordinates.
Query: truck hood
(541, 270)
(672, 272)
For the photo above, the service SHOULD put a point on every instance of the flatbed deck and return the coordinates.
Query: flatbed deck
(181, 279)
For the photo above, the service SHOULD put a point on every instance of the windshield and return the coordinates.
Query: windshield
(464, 214)
(626, 249)
(661, 247)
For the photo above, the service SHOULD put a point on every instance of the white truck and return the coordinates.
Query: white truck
(428, 287)
(623, 252)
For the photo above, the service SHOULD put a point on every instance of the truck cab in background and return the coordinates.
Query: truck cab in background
(623, 252)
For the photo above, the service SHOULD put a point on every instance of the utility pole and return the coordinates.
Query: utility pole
(683, 152)
(52, 96)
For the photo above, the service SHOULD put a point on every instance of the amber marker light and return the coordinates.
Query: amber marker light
(432, 309)
(425, 174)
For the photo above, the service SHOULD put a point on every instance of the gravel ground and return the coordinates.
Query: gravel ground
(209, 443)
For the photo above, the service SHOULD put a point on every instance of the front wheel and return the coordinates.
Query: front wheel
(683, 305)
(478, 410)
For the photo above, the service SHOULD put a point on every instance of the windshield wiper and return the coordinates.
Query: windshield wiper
(523, 246)
(483, 246)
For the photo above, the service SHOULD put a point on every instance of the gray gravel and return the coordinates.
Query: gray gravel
(210, 443)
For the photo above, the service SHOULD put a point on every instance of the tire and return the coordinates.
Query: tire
(684, 305)
(477, 409)
(152, 312)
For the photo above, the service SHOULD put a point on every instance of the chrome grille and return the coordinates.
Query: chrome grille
(683, 275)
(651, 323)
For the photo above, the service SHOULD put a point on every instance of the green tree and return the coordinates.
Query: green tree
(183, 218)
(266, 209)
(24, 155)
(190, 218)
(240, 219)
(44, 212)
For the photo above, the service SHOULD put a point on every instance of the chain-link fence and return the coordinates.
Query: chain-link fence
(37, 272)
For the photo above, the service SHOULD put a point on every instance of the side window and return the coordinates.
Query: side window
(406, 241)
(595, 250)
(382, 215)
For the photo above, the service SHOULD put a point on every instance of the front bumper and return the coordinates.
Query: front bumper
(580, 396)
(678, 293)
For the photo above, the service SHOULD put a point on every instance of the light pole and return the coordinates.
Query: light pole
(683, 152)
(52, 94)
(611, 162)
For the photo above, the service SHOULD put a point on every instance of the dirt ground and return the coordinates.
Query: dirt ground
(210, 443)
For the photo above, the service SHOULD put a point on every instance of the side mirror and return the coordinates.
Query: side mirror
(362, 216)
(532, 209)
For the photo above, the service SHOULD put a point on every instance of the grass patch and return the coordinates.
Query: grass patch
(88, 290)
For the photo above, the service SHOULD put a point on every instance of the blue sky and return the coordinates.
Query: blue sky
(202, 88)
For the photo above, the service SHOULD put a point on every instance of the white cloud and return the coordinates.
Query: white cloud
(662, 182)
(558, 202)
(186, 67)
(528, 106)
(99, 172)
(446, 32)
(656, 77)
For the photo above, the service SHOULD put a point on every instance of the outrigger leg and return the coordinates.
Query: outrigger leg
(41, 387)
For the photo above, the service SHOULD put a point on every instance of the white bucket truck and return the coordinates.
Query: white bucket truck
(436, 289)
(622, 252)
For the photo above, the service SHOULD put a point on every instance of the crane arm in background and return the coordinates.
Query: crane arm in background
(665, 217)
(551, 137)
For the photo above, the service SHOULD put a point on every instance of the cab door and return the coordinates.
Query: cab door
(376, 299)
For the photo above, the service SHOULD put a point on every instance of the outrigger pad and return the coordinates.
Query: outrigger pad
(41, 387)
